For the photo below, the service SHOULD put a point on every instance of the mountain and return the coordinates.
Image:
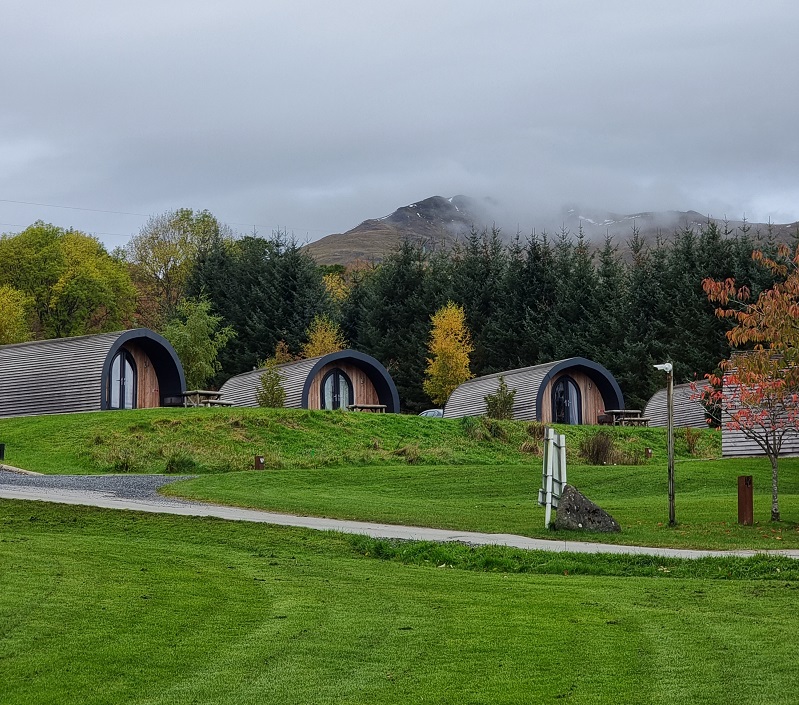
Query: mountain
(439, 222)
(434, 222)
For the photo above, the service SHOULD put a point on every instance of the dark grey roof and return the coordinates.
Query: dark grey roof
(65, 375)
(688, 411)
(296, 378)
(529, 382)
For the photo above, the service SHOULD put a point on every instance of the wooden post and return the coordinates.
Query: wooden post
(670, 403)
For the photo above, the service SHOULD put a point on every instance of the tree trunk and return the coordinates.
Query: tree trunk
(775, 502)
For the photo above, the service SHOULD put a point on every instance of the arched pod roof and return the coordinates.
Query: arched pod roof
(297, 378)
(530, 384)
(688, 410)
(65, 375)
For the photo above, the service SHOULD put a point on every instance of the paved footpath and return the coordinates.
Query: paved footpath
(115, 493)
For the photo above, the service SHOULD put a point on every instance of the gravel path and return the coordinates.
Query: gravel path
(138, 493)
(122, 486)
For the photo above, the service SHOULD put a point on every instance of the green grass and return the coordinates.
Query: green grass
(113, 607)
(503, 499)
(222, 440)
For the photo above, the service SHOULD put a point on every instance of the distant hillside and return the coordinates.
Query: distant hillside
(439, 222)
(434, 222)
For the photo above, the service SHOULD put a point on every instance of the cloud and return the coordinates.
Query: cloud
(316, 116)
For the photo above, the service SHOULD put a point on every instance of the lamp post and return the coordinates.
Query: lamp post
(668, 368)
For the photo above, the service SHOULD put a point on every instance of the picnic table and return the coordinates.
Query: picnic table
(626, 417)
(203, 397)
(374, 408)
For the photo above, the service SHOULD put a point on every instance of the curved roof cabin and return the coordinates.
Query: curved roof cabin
(338, 380)
(123, 370)
(573, 391)
(688, 411)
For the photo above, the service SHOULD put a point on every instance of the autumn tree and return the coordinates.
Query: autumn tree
(450, 345)
(758, 390)
(15, 312)
(323, 336)
(197, 336)
(162, 256)
(75, 286)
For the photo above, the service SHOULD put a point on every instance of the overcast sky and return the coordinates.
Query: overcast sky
(314, 115)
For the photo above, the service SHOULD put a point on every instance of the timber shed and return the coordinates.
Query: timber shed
(338, 380)
(688, 410)
(573, 391)
(124, 370)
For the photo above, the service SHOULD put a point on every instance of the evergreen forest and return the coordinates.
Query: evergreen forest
(546, 297)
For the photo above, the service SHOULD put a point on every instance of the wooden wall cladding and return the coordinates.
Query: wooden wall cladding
(363, 390)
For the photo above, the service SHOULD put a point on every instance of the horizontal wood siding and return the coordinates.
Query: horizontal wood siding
(688, 412)
(469, 398)
(241, 390)
(53, 376)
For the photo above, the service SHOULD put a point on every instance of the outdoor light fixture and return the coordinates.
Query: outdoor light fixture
(668, 368)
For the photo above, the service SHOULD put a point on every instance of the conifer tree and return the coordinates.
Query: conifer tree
(450, 345)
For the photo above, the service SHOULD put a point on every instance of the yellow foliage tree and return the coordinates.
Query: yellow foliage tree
(323, 336)
(336, 286)
(15, 313)
(450, 345)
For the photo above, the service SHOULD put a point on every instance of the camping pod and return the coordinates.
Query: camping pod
(123, 370)
(688, 409)
(573, 391)
(347, 379)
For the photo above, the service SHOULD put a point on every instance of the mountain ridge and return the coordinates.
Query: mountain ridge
(437, 222)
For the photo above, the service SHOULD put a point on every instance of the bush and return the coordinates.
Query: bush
(600, 449)
(270, 393)
(180, 462)
(500, 404)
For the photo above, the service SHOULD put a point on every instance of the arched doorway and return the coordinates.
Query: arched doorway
(336, 390)
(566, 403)
(122, 382)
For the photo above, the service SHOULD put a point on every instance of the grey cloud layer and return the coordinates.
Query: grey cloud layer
(315, 115)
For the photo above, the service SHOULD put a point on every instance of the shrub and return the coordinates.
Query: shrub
(270, 392)
(472, 428)
(600, 449)
(500, 404)
(180, 462)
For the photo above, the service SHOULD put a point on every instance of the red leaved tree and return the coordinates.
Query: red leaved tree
(758, 390)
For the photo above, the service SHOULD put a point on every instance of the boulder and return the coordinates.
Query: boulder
(578, 513)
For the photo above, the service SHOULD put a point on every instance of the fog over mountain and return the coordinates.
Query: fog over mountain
(441, 223)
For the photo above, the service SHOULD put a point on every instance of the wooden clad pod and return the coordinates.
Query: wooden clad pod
(66, 375)
(302, 381)
(688, 411)
(596, 388)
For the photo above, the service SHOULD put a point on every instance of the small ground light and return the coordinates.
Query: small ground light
(259, 462)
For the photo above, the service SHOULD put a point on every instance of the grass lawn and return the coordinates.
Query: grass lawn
(113, 607)
(503, 499)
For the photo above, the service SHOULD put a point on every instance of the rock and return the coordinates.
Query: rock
(578, 513)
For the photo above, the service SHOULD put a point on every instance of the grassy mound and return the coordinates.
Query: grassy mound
(192, 441)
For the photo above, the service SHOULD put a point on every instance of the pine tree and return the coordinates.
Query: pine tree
(450, 346)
